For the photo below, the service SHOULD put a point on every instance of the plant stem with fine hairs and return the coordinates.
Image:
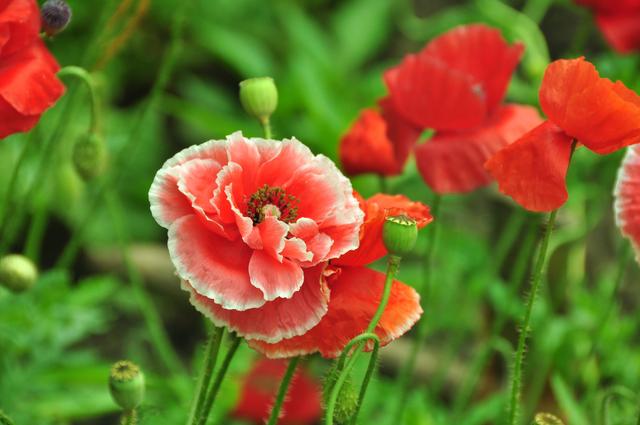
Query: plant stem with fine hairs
(516, 380)
(282, 391)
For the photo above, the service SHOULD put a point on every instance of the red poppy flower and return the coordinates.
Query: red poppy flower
(454, 86)
(249, 222)
(580, 105)
(302, 405)
(627, 198)
(619, 22)
(28, 82)
(356, 291)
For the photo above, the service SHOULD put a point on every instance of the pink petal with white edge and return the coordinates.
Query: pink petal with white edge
(276, 320)
(274, 278)
(627, 198)
(216, 267)
(272, 234)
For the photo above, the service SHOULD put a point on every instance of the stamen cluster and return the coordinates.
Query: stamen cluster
(275, 196)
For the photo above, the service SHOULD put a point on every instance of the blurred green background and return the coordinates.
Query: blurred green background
(327, 57)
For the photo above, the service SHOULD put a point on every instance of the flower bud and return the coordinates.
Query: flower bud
(126, 383)
(17, 273)
(347, 401)
(399, 234)
(259, 97)
(546, 419)
(55, 16)
(89, 157)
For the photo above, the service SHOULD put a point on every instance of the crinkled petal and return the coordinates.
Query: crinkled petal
(355, 295)
(275, 320)
(532, 170)
(627, 198)
(276, 279)
(602, 115)
(481, 52)
(215, 267)
(19, 25)
(402, 134)
(453, 162)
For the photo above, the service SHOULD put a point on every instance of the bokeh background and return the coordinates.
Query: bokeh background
(119, 296)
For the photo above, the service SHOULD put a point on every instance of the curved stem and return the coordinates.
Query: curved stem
(282, 391)
(516, 381)
(345, 351)
(85, 77)
(211, 356)
(373, 362)
(406, 371)
(215, 388)
(127, 151)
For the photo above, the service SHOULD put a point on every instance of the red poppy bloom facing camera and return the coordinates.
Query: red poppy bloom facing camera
(28, 82)
(581, 106)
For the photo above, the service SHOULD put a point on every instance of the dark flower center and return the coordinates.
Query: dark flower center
(272, 201)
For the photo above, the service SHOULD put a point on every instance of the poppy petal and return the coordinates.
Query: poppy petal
(621, 30)
(479, 51)
(215, 267)
(402, 134)
(276, 279)
(532, 170)
(275, 320)
(602, 115)
(377, 209)
(627, 198)
(19, 25)
(355, 294)
(428, 93)
(453, 162)
(365, 148)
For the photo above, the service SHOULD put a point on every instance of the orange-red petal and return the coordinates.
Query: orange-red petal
(376, 209)
(366, 148)
(532, 170)
(621, 30)
(602, 115)
(355, 294)
(453, 162)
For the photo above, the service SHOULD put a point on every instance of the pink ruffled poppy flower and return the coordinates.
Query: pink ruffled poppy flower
(249, 222)
(627, 198)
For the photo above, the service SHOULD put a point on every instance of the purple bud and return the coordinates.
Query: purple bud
(56, 15)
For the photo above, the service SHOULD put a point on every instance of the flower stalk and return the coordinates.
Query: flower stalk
(282, 391)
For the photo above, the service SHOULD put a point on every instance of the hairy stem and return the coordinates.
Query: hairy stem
(282, 391)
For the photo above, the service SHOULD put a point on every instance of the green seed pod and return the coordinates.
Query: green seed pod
(347, 401)
(17, 273)
(90, 157)
(259, 97)
(546, 419)
(126, 383)
(399, 235)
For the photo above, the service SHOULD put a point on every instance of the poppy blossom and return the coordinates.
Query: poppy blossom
(619, 22)
(251, 224)
(455, 87)
(627, 198)
(356, 290)
(259, 389)
(28, 82)
(581, 106)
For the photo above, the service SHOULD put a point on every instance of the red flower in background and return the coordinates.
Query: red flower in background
(454, 86)
(356, 290)
(627, 198)
(302, 405)
(619, 22)
(28, 82)
(580, 105)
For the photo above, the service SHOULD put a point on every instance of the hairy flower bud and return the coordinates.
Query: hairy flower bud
(347, 401)
(17, 273)
(259, 97)
(55, 15)
(126, 383)
(89, 157)
(546, 419)
(399, 234)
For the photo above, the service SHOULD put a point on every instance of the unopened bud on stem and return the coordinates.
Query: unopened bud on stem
(259, 97)
(55, 16)
(17, 273)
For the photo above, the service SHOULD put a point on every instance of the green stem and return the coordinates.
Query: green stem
(371, 368)
(153, 322)
(266, 126)
(211, 356)
(4, 419)
(282, 391)
(213, 391)
(85, 77)
(516, 381)
(129, 417)
(36, 233)
(384, 187)
(13, 180)
(406, 371)
(123, 157)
